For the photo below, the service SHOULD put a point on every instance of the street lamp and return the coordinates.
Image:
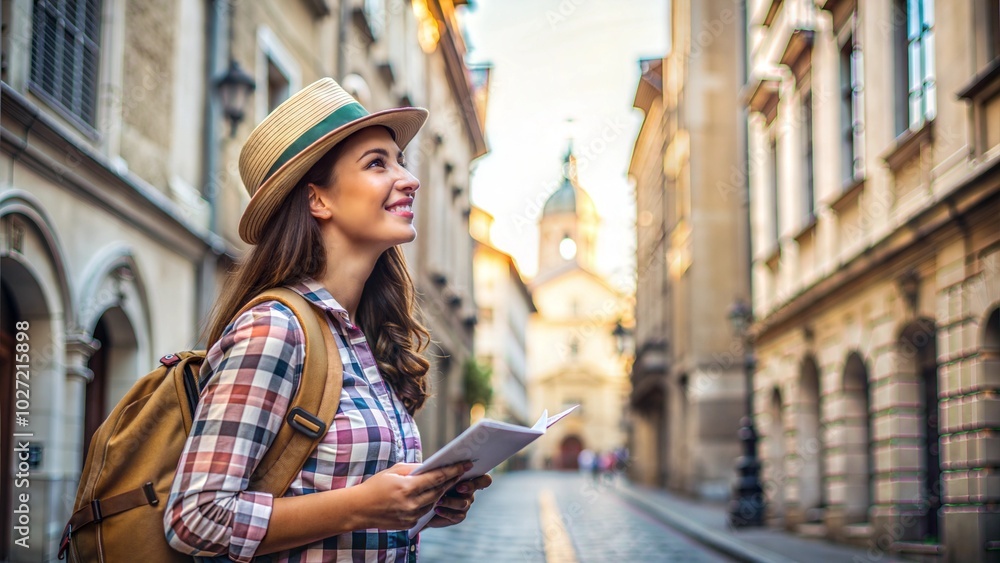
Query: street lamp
(234, 88)
(747, 505)
(621, 335)
(740, 316)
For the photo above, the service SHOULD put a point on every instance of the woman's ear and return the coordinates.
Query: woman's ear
(319, 205)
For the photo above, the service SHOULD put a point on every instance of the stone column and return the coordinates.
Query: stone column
(79, 348)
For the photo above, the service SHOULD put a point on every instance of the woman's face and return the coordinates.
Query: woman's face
(369, 201)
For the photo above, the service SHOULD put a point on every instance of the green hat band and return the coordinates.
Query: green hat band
(332, 122)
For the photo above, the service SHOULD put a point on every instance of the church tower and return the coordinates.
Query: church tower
(571, 345)
(568, 228)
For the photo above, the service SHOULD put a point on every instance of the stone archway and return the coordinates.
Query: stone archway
(26, 305)
(856, 440)
(34, 278)
(110, 349)
(111, 280)
(810, 446)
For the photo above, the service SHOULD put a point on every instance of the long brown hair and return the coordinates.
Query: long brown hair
(291, 250)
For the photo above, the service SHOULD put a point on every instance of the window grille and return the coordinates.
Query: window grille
(65, 55)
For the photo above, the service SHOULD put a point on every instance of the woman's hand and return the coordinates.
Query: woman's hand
(454, 505)
(393, 500)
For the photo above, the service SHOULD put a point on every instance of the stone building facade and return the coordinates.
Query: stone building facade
(874, 150)
(120, 196)
(648, 440)
(688, 378)
(504, 307)
(572, 354)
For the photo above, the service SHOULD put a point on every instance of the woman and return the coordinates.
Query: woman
(331, 200)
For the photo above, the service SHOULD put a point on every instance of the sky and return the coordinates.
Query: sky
(562, 69)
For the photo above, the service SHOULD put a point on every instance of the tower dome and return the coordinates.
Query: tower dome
(563, 200)
(569, 222)
(569, 197)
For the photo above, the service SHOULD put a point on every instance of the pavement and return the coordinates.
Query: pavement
(557, 517)
(708, 523)
(549, 517)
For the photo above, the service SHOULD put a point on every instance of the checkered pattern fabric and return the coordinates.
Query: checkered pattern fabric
(249, 378)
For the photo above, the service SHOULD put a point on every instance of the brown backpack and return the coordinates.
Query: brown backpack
(126, 480)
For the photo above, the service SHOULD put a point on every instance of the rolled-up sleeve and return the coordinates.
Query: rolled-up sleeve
(252, 373)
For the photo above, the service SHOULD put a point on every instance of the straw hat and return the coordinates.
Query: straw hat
(283, 147)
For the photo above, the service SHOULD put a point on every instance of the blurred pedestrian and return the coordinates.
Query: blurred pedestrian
(621, 459)
(595, 467)
(619, 463)
(331, 201)
(585, 460)
(607, 465)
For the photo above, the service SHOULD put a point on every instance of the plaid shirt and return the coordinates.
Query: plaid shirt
(250, 376)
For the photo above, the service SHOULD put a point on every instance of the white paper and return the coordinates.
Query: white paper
(554, 419)
(487, 444)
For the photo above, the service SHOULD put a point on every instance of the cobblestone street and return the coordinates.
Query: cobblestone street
(536, 516)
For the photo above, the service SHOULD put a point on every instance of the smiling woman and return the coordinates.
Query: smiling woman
(367, 197)
(331, 201)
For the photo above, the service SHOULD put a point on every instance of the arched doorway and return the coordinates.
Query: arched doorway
(857, 439)
(812, 492)
(776, 476)
(115, 369)
(991, 339)
(917, 354)
(8, 317)
(37, 292)
(95, 403)
(24, 300)
(569, 452)
(648, 438)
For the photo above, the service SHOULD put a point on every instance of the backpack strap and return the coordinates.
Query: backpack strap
(315, 403)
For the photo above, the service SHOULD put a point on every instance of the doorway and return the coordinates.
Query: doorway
(776, 477)
(8, 317)
(569, 452)
(918, 349)
(812, 492)
(857, 395)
